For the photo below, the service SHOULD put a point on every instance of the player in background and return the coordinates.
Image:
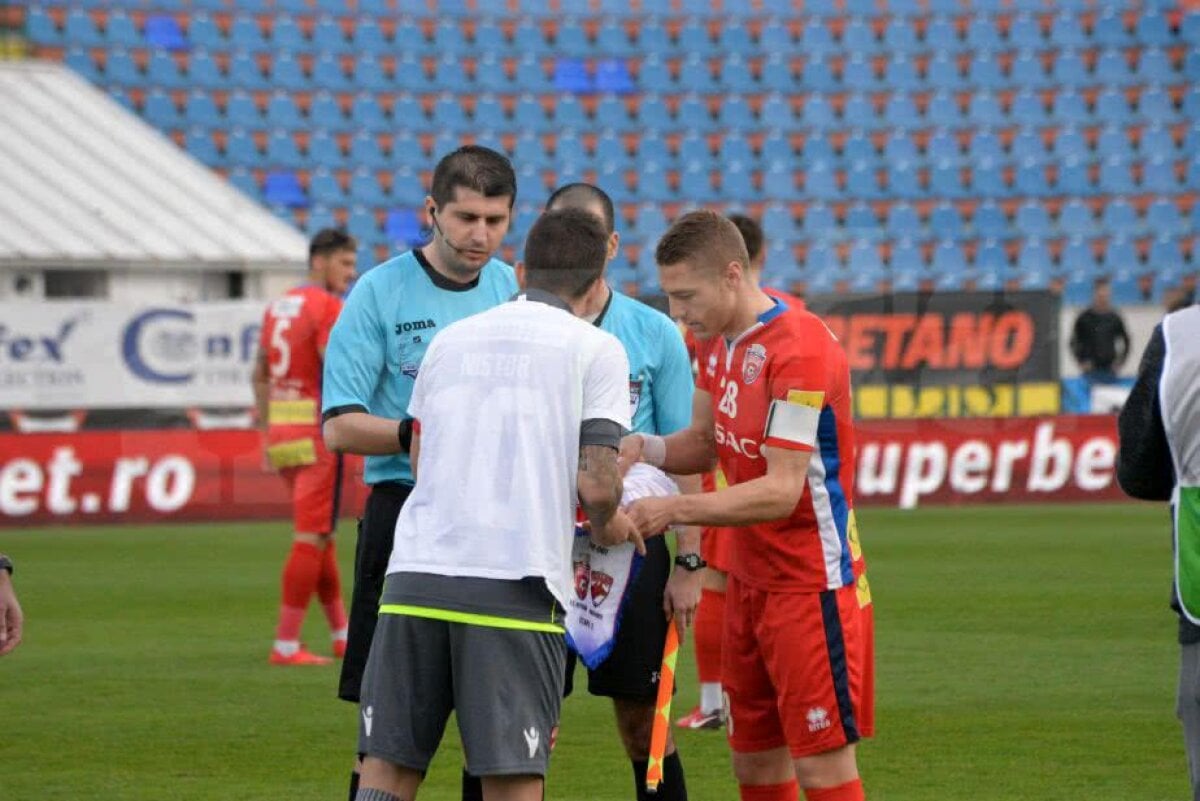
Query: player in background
(376, 348)
(710, 617)
(773, 406)
(287, 396)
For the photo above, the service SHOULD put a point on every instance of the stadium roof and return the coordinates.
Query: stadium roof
(85, 183)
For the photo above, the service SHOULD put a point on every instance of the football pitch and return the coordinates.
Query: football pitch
(1022, 653)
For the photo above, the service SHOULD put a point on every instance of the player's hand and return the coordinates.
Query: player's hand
(682, 597)
(11, 617)
(630, 453)
(652, 515)
(620, 529)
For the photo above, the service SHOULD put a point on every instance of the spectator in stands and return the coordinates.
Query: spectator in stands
(1099, 340)
(1160, 461)
(11, 618)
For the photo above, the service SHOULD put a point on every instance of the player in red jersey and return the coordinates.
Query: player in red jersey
(287, 394)
(714, 546)
(773, 406)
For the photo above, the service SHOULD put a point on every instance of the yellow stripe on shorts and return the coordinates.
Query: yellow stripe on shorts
(491, 621)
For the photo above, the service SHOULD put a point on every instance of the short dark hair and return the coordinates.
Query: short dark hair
(703, 237)
(752, 233)
(474, 167)
(581, 196)
(565, 252)
(330, 240)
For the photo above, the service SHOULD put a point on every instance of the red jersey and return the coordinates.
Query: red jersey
(295, 329)
(785, 383)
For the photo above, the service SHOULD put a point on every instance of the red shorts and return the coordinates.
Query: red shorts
(315, 487)
(798, 668)
(715, 547)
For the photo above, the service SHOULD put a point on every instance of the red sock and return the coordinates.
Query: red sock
(850, 791)
(329, 589)
(300, 574)
(788, 791)
(709, 630)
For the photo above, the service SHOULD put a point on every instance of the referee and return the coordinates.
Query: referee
(376, 349)
(1160, 461)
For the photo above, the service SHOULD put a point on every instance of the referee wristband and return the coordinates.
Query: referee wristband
(405, 434)
(6, 564)
(654, 449)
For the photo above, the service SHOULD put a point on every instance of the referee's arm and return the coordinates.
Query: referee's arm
(354, 362)
(1144, 467)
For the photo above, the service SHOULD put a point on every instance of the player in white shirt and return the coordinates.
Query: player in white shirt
(520, 412)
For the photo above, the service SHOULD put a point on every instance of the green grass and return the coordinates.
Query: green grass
(1022, 653)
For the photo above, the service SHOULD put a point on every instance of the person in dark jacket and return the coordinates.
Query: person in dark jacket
(1159, 460)
(1099, 340)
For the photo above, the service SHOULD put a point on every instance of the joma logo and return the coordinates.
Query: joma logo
(414, 325)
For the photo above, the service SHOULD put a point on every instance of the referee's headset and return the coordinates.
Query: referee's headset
(446, 239)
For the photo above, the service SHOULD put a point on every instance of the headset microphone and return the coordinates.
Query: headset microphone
(446, 239)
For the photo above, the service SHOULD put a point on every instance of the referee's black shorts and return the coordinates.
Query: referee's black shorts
(631, 671)
(376, 531)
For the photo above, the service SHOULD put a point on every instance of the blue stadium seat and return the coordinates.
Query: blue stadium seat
(1029, 179)
(404, 227)
(694, 147)
(943, 144)
(817, 76)
(776, 146)
(901, 112)
(406, 148)
(201, 110)
(987, 178)
(199, 142)
(159, 110)
(945, 222)
(569, 113)
(735, 147)
(369, 74)
(203, 71)
(942, 72)
(366, 114)
(736, 182)
(319, 217)
(282, 188)
(695, 74)
(943, 110)
(529, 149)
(777, 223)
(859, 147)
(328, 73)
(902, 221)
(1032, 220)
(1067, 31)
(530, 77)
(80, 30)
(906, 268)
(241, 111)
(612, 114)
(821, 267)
(1165, 254)
(940, 35)
(865, 265)
(490, 37)
(1189, 28)
(984, 110)
(649, 222)
(1027, 144)
(367, 37)
(861, 222)
(287, 73)
(1034, 264)
(1191, 103)
(409, 39)
(282, 150)
(162, 70)
(990, 268)
(903, 180)
(1112, 68)
(735, 113)
(489, 74)
(362, 226)
(1112, 107)
(775, 37)
(1075, 219)
(1155, 105)
(779, 182)
(652, 183)
(489, 114)
(948, 259)
(1119, 218)
(1154, 29)
(241, 150)
(653, 38)
(1073, 177)
(900, 36)
(244, 72)
(40, 28)
(325, 112)
(613, 41)
(1070, 141)
(1076, 261)
(1027, 108)
(528, 113)
(407, 189)
(693, 114)
(900, 74)
(246, 34)
(572, 40)
(1027, 71)
(1113, 141)
(1025, 33)
(818, 150)
(365, 188)
(120, 31)
(449, 39)
(984, 72)
(365, 151)
(816, 39)
(613, 76)
(982, 34)
(569, 148)
(777, 74)
(449, 114)
(1069, 69)
(862, 181)
(202, 31)
(243, 180)
(1154, 67)
(693, 39)
(1163, 217)
(1109, 28)
(859, 112)
(324, 151)
(735, 38)
(735, 75)
(654, 75)
(1120, 255)
(1116, 176)
(989, 221)
(1158, 175)
(1070, 108)
(899, 146)
(282, 112)
(776, 112)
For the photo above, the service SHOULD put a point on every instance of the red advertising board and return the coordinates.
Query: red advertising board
(144, 476)
(141, 476)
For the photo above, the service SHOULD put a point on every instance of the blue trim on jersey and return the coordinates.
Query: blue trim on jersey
(660, 372)
(770, 314)
(827, 439)
(835, 646)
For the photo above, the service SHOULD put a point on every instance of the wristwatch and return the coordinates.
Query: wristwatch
(6, 564)
(691, 562)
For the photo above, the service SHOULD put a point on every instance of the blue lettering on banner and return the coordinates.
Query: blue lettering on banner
(29, 349)
(162, 346)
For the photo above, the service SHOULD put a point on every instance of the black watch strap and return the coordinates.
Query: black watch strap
(690, 562)
(6, 564)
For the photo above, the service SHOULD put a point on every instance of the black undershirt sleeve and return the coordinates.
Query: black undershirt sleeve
(599, 431)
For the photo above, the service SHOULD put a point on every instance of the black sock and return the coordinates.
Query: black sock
(673, 787)
(353, 785)
(472, 787)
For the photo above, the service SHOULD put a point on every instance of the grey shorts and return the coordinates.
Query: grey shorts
(504, 684)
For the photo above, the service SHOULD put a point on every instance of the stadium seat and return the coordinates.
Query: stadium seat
(776, 146)
(407, 189)
(1112, 107)
(243, 180)
(984, 110)
(1165, 254)
(652, 183)
(613, 41)
(282, 112)
(987, 178)
(1025, 33)
(901, 112)
(990, 267)
(735, 147)
(324, 151)
(943, 110)
(943, 144)
(858, 74)
(1158, 175)
(736, 182)
(693, 115)
(365, 188)
(694, 147)
(572, 40)
(989, 221)
(81, 31)
(1154, 29)
(1116, 177)
(735, 38)
(1163, 217)
(282, 150)
(984, 72)
(286, 73)
(367, 115)
(945, 222)
(948, 258)
(1075, 219)
(159, 110)
(816, 40)
(899, 36)
(902, 221)
(942, 72)
(449, 39)
(858, 112)
(653, 39)
(1120, 255)
(906, 267)
(241, 150)
(202, 31)
(1027, 144)
(1029, 179)
(201, 110)
(1027, 71)
(612, 76)
(945, 179)
(903, 180)
(983, 35)
(120, 31)
(735, 76)
(693, 39)
(777, 74)
(1155, 104)
(1109, 28)
(1113, 141)
(40, 28)
(940, 35)
(1119, 218)
(859, 147)
(779, 182)
(161, 70)
(530, 77)
(569, 148)
(695, 75)
(777, 223)
(199, 143)
(858, 37)
(1154, 67)
(282, 188)
(899, 146)
(1112, 68)
(489, 75)
(1032, 220)
(245, 74)
(404, 227)
(1070, 108)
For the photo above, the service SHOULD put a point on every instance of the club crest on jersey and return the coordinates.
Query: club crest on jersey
(711, 369)
(582, 579)
(410, 369)
(601, 586)
(635, 394)
(752, 363)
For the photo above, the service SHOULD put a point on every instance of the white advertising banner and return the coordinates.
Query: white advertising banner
(89, 355)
